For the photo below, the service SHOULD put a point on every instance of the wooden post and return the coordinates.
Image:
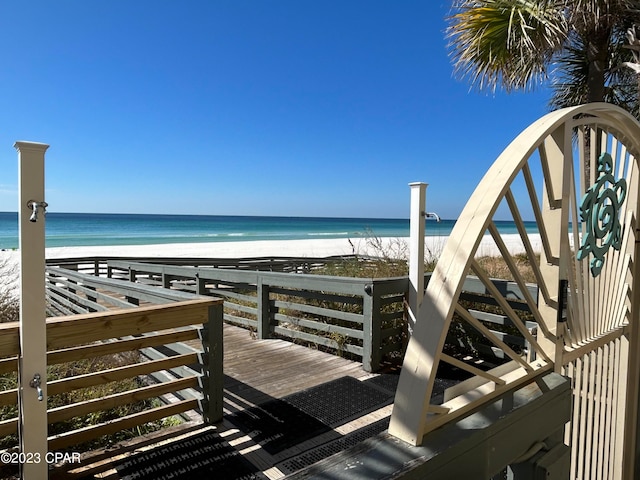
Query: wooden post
(201, 285)
(32, 391)
(132, 278)
(264, 316)
(372, 329)
(416, 250)
(212, 375)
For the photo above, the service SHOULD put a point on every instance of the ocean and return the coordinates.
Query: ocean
(101, 229)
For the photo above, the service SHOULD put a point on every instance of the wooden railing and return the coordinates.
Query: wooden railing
(114, 333)
(362, 317)
(96, 265)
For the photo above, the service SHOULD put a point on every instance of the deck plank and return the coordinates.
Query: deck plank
(279, 368)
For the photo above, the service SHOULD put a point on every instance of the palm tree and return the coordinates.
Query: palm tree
(576, 46)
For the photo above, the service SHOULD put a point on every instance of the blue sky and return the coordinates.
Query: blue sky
(255, 107)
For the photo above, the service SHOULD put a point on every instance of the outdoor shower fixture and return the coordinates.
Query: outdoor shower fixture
(432, 215)
(33, 205)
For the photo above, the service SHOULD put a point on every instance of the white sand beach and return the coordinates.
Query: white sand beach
(287, 248)
(396, 247)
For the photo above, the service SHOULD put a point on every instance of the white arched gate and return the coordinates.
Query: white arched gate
(575, 172)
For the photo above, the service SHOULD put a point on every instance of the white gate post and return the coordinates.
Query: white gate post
(416, 250)
(32, 391)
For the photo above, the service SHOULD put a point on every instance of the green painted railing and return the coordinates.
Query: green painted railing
(364, 318)
(361, 317)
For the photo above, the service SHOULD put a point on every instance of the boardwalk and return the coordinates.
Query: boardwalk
(286, 406)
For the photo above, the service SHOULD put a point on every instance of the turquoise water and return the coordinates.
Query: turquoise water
(91, 229)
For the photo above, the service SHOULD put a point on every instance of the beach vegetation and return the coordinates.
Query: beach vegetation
(496, 267)
(9, 299)
(374, 257)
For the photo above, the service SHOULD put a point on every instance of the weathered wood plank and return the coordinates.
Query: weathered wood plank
(9, 427)
(320, 311)
(88, 291)
(315, 339)
(321, 327)
(119, 373)
(245, 322)
(118, 399)
(9, 365)
(76, 437)
(9, 339)
(133, 290)
(63, 301)
(73, 330)
(277, 367)
(9, 397)
(66, 297)
(96, 350)
(319, 295)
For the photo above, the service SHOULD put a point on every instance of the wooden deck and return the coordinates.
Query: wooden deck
(340, 403)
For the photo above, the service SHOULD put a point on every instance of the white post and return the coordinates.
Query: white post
(416, 250)
(32, 401)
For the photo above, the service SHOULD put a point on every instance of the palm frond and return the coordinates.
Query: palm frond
(505, 42)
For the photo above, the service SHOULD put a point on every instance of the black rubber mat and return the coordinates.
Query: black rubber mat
(205, 456)
(330, 448)
(340, 400)
(386, 381)
(277, 425)
(389, 383)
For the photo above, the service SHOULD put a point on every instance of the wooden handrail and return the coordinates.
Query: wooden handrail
(83, 336)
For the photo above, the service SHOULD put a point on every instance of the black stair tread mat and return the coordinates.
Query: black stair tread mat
(205, 455)
(386, 381)
(340, 400)
(277, 425)
(332, 447)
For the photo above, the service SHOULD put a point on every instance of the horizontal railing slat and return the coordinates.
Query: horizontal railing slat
(67, 331)
(317, 295)
(357, 350)
(320, 311)
(342, 285)
(318, 326)
(9, 397)
(245, 322)
(9, 427)
(241, 308)
(82, 435)
(9, 339)
(74, 302)
(152, 294)
(8, 365)
(228, 293)
(118, 399)
(117, 346)
(52, 282)
(119, 373)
